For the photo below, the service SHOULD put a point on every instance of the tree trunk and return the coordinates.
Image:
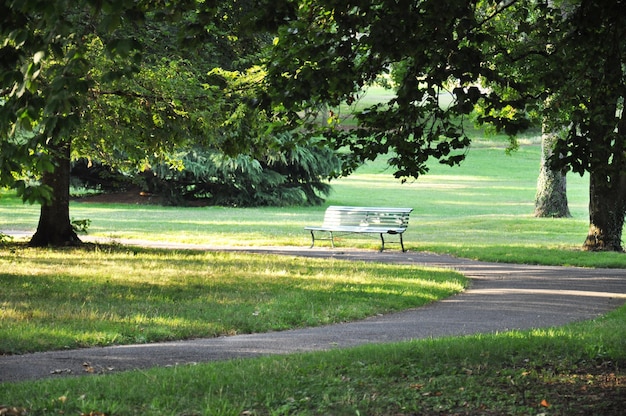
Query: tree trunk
(606, 213)
(55, 228)
(551, 197)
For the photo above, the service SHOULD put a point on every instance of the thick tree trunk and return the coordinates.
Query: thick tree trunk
(606, 213)
(551, 197)
(55, 228)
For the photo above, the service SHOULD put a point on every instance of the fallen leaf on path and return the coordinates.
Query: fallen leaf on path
(12, 411)
(88, 368)
(61, 371)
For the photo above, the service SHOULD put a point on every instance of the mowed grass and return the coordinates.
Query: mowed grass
(95, 296)
(574, 370)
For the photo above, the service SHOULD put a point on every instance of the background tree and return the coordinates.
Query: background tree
(551, 196)
(293, 175)
(45, 79)
(592, 86)
(221, 149)
(522, 39)
(110, 81)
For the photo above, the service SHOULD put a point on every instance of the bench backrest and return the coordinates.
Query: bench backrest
(336, 216)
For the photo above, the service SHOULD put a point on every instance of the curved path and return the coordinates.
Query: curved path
(500, 297)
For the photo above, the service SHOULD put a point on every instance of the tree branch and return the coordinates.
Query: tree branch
(505, 4)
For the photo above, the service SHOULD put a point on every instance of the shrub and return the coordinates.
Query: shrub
(290, 174)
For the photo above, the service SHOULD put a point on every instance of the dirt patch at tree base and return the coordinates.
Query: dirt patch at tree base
(133, 197)
(136, 197)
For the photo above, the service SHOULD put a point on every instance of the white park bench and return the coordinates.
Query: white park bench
(369, 220)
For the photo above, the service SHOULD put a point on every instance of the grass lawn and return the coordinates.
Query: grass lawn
(110, 294)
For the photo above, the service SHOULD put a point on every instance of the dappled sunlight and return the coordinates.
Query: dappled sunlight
(560, 292)
(485, 203)
(439, 181)
(141, 295)
(15, 312)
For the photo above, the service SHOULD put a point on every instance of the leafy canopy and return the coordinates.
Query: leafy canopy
(112, 77)
(516, 61)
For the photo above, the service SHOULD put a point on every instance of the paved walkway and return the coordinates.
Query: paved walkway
(501, 297)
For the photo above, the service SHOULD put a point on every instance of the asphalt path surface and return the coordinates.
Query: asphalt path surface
(501, 297)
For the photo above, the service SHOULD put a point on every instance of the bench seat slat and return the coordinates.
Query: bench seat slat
(358, 229)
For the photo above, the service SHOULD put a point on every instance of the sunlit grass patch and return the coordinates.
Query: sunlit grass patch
(114, 295)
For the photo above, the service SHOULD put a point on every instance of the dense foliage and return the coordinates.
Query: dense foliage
(244, 156)
(292, 176)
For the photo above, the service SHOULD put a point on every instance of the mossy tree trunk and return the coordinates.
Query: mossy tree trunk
(551, 197)
(607, 206)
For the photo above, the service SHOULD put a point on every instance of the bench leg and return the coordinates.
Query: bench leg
(382, 239)
(330, 237)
